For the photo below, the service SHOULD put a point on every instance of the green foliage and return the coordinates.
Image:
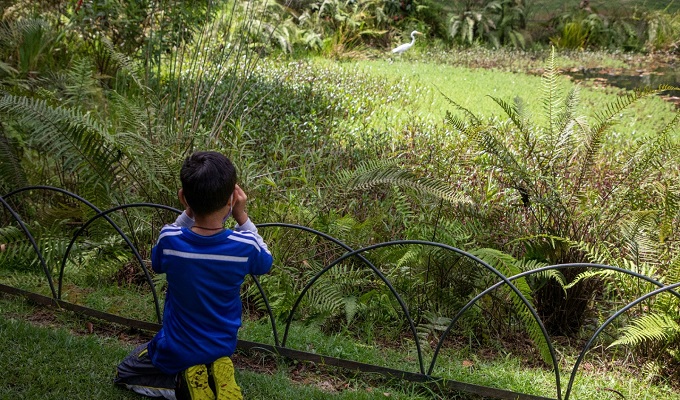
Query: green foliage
(647, 246)
(509, 266)
(336, 28)
(561, 178)
(649, 328)
(663, 31)
(497, 22)
(627, 29)
(27, 45)
(579, 30)
(374, 173)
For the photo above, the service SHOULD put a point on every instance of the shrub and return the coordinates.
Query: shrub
(557, 179)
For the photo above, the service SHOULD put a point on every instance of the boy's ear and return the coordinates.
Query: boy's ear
(182, 199)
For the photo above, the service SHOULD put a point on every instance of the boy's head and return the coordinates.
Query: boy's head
(208, 180)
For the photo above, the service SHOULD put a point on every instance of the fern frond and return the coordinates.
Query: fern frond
(653, 328)
(476, 121)
(568, 112)
(511, 164)
(12, 174)
(326, 299)
(512, 111)
(507, 265)
(648, 155)
(375, 173)
(551, 93)
(607, 117)
(123, 61)
(403, 207)
(76, 139)
(590, 274)
(672, 273)
(640, 246)
(351, 304)
(454, 121)
(599, 253)
(409, 257)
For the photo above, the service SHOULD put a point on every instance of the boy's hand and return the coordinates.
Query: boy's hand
(238, 210)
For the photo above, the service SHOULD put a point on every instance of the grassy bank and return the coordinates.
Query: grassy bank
(46, 360)
(56, 355)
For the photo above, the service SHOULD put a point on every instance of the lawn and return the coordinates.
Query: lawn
(59, 355)
(51, 362)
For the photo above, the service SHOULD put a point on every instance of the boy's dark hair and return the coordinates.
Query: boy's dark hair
(208, 179)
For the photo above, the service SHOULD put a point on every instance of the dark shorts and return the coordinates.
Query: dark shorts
(137, 373)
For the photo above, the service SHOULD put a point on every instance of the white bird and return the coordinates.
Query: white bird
(406, 46)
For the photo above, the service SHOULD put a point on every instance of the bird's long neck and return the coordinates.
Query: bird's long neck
(413, 39)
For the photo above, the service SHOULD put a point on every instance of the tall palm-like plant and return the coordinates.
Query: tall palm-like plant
(562, 181)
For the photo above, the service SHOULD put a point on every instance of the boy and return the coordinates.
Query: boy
(205, 265)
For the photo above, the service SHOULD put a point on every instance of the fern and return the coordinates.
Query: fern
(378, 172)
(649, 328)
(551, 101)
(507, 265)
(432, 325)
(11, 171)
(81, 144)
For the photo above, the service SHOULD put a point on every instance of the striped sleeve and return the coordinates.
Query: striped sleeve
(247, 234)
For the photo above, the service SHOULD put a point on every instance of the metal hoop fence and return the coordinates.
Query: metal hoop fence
(280, 347)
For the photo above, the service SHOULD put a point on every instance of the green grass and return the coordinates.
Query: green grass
(422, 88)
(52, 363)
(503, 372)
(48, 363)
(57, 359)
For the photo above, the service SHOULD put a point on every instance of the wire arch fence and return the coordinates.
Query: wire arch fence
(421, 371)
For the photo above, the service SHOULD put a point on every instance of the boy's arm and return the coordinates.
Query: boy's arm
(262, 262)
(249, 226)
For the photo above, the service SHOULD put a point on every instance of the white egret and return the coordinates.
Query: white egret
(406, 46)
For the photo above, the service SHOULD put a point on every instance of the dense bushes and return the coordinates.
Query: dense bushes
(339, 28)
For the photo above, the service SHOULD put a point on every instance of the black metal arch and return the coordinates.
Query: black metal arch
(104, 214)
(394, 292)
(606, 323)
(386, 281)
(30, 237)
(424, 375)
(528, 273)
(26, 230)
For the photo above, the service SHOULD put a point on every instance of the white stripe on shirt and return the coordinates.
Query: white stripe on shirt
(168, 232)
(196, 256)
(251, 242)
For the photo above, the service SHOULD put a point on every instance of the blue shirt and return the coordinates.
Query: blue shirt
(202, 312)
